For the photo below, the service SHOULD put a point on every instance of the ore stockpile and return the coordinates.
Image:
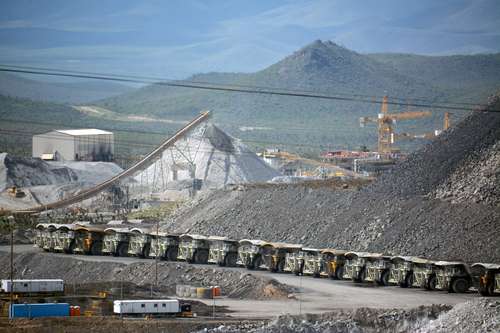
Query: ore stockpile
(436, 204)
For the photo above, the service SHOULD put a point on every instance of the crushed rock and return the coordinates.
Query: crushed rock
(397, 214)
(233, 284)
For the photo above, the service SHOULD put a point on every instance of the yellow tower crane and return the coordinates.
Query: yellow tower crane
(385, 122)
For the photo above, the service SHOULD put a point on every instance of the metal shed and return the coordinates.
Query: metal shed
(75, 145)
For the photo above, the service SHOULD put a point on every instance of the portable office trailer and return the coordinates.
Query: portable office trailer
(140, 307)
(33, 286)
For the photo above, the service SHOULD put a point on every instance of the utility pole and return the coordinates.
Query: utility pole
(157, 253)
(11, 227)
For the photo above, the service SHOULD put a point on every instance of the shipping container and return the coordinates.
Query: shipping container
(33, 286)
(160, 306)
(37, 310)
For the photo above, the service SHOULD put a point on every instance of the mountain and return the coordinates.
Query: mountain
(323, 67)
(72, 92)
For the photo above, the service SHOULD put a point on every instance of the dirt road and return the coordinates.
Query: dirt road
(313, 296)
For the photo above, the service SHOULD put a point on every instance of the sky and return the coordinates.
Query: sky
(175, 39)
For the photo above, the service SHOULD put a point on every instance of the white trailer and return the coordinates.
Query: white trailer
(33, 286)
(142, 306)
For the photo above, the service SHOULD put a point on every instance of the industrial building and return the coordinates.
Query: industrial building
(74, 145)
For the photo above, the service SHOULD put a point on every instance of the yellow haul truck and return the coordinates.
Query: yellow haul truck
(334, 261)
(486, 278)
(88, 239)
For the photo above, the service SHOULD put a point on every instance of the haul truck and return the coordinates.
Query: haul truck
(355, 265)
(378, 269)
(164, 246)
(486, 278)
(334, 263)
(193, 249)
(453, 276)
(223, 251)
(88, 239)
(139, 243)
(115, 241)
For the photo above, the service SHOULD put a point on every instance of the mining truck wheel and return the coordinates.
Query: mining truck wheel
(145, 251)
(230, 260)
(408, 281)
(361, 276)
(384, 279)
(96, 248)
(201, 257)
(431, 283)
(460, 285)
(171, 254)
(255, 263)
(122, 250)
(339, 273)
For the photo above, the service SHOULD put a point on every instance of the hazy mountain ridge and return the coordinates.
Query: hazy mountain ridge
(71, 92)
(322, 66)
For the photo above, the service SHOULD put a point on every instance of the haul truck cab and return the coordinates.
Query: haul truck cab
(355, 265)
(193, 249)
(250, 252)
(88, 239)
(223, 251)
(139, 242)
(378, 269)
(453, 276)
(486, 278)
(115, 241)
(334, 263)
(274, 255)
(164, 245)
(64, 237)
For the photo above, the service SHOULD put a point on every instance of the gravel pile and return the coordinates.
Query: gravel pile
(209, 154)
(398, 214)
(480, 315)
(233, 284)
(350, 321)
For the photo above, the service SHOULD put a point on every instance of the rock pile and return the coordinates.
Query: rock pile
(398, 214)
(349, 321)
(480, 315)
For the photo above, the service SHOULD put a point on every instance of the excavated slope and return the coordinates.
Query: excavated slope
(398, 214)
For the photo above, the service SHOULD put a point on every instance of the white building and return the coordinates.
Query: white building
(74, 145)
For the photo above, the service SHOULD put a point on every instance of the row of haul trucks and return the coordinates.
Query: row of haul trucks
(144, 242)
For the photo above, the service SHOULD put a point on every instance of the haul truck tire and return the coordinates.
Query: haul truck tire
(171, 254)
(122, 250)
(96, 248)
(460, 285)
(200, 257)
(408, 281)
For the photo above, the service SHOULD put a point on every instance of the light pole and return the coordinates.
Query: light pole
(11, 228)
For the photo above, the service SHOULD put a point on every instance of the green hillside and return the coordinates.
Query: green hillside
(21, 118)
(68, 92)
(321, 67)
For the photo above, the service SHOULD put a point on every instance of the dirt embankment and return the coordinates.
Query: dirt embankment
(429, 205)
(233, 284)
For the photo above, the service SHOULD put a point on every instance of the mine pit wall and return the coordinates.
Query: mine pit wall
(76, 273)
